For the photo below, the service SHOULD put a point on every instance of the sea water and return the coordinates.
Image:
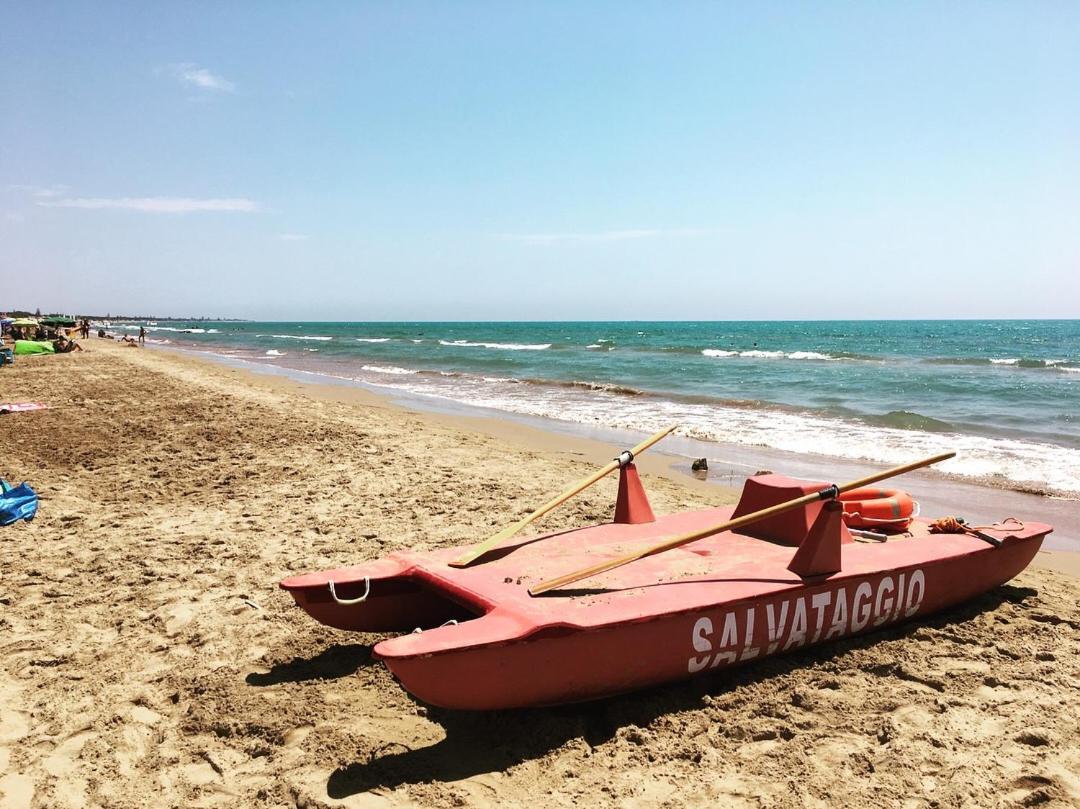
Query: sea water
(1003, 394)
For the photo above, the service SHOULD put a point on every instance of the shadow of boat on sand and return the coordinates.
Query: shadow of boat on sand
(485, 742)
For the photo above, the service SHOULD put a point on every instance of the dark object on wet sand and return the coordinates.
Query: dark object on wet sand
(700, 465)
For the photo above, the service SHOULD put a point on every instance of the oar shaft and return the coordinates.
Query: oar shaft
(607, 469)
(730, 525)
(479, 550)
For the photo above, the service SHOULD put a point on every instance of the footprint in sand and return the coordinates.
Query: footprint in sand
(14, 725)
(145, 716)
(176, 618)
(16, 791)
(62, 759)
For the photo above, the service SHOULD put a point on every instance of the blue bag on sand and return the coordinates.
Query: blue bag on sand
(16, 502)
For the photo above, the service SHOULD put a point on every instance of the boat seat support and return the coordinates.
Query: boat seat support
(819, 553)
(632, 506)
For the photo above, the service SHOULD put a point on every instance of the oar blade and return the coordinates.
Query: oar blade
(477, 551)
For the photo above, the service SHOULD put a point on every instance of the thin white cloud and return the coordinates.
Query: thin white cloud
(293, 237)
(155, 204)
(41, 190)
(601, 236)
(190, 74)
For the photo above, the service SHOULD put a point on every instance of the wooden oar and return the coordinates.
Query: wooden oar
(479, 550)
(827, 493)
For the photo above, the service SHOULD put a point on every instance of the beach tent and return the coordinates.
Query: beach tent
(34, 347)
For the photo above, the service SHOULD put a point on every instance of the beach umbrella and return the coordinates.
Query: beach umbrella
(24, 321)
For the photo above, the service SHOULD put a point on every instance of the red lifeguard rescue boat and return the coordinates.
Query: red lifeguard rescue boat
(474, 637)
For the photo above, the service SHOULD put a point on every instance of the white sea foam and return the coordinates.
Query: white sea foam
(373, 339)
(809, 355)
(977, 456)
(761, 354)
(192, 330)
(388, 369)
(1006, 361)
(273, 352)
(136, 327)
(755, 353)
(502, 346)
(297, 337)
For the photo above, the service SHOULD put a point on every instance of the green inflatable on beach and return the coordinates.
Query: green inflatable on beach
(34, 347)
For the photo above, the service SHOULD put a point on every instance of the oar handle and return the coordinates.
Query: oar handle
(477, 551)
(827, 493)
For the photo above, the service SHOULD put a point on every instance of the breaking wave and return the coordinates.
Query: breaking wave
(296, 337)
(500, 346)
(388, 369)
(755, 353)
(1008, 362)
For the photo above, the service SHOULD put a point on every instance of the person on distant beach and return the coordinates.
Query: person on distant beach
(142, 335)
(63, 345)
(129, 340)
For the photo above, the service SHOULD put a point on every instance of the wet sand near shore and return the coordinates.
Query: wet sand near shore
(149, 660)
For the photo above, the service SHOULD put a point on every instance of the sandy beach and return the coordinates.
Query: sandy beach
(148, 658)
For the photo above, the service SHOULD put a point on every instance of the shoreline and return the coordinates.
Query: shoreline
(697, 447)
(912, 398)
(979, 500)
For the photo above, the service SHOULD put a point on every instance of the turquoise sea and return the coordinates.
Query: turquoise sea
(1004, 394)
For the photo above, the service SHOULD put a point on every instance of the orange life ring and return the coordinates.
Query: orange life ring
(874, 508)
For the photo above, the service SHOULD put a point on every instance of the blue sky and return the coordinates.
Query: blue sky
(541, 161)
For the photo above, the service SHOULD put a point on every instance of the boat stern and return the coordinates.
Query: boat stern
(388, 595)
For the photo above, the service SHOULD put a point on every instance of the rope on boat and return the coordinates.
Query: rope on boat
(349, 601)
(958, 525)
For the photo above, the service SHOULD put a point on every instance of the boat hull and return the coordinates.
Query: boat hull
(556, 667)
